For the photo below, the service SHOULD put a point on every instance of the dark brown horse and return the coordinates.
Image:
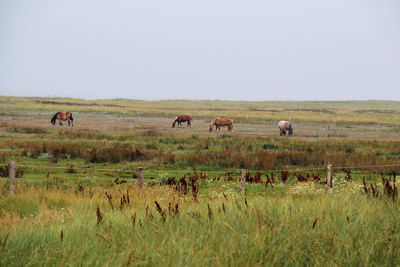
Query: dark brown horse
(63, 116)
(182, 118)
(218, 122)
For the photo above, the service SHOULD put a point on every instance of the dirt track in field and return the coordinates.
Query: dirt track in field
(199, 126)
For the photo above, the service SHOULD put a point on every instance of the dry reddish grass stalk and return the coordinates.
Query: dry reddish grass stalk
(259, 222)
(99, 215)
(134, 219)
(124, 201)
(390, 190)
(284, 176)
(129, 259)
(80, 189)
(331, 242)
(109, 197)
(104, 238)
(195, 215)
(5, 241)
(173, 211)
(254, 179)
(269, 181)
(195, 188)
(149, 215)
(160, 211)
(181, 186)
(228, 177)
(315, 223)
(209, 211)
(117, 181)
(238, 205)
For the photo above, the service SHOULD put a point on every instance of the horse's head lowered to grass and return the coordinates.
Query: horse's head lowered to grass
(62, 116)
(182, 118)
(54, 118)
(218, 122)
(285, 126)
(174, 122)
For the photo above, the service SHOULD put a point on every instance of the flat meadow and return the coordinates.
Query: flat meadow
(77, 201)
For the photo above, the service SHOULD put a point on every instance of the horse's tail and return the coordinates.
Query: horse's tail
(70, 117)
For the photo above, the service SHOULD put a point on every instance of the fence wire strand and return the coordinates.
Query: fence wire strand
(203, 171)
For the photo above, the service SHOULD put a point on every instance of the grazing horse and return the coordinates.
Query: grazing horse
(182, 118)
(63, 116)
(285, 126)
(218, 122)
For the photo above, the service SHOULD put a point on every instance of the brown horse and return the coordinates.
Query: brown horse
(182, 118)
(62, 116)
(218, 122)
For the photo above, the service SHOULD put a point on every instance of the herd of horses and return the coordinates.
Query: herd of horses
(217, 122)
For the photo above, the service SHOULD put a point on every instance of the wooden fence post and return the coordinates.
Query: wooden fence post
(140, 177)
(329, 176)
(243, 181)
(11, 172)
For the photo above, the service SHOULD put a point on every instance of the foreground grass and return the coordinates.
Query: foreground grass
(290, 224)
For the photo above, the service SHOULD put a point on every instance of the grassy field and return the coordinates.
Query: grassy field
(77, 202)
(341, 112)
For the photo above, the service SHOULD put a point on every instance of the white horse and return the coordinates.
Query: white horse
(285, 126)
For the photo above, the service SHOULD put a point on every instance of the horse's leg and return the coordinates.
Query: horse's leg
(61, 123)
(69, 122)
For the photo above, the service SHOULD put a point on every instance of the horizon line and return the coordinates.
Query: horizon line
(216, 99)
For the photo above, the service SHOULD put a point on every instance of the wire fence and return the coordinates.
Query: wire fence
(89, 169)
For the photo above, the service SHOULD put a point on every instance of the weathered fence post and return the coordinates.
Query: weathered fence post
(11, 172)
(140, 177)
(243, 181)
(329, 176)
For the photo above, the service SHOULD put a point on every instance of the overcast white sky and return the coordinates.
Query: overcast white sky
(207, 49)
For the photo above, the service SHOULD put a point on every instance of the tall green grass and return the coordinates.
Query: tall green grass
(291, 228)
